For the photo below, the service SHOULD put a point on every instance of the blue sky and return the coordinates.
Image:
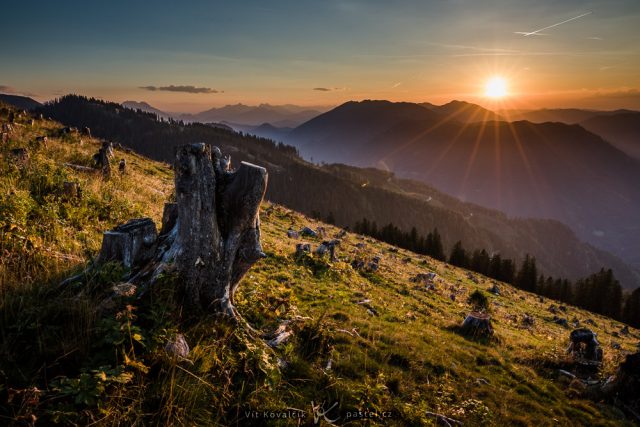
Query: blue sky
(280, 51)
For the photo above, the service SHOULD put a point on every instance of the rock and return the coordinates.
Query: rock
(560, 321)
(625, 330)
(122, 166)
(86, 131)
(361, 245)
(177, 347)
(302, 248)
(124, 289)
(131, 243)
(590, 321)
(341, 234)
(584, 347)
(452, 297)
(426, 278)
(292, 234)
(306, 231)
(563, 308)
(615, 346)
(495, 290)
(406, 260)
(477, 324)
(358, 264)
(472, 277)
(528, 320)
(553, 309)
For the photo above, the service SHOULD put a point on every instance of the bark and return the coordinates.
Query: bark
(132, 243)
(217, 234)
(477, 324)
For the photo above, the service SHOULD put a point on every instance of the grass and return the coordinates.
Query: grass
(367, 340)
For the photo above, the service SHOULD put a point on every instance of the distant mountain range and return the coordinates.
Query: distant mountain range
(239, 114)
(547, 170)
(143, 106)
(18, 101)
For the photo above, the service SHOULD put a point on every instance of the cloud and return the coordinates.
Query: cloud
(330, 89)
(13, 91)
(186, 89)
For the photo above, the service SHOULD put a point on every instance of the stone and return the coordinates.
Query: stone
(302, 248)
(560, 321)
(177, 347)
(292, 234)
(306, 231)
(528, 320)
(495, 290)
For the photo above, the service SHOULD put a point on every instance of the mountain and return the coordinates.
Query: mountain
(97, 348)
(463, 112)
(276, 115)
(143, 106)
(351, 194)
(563, 115)
(21, 102)
(265, 130)
(546, 170)
(332, 136)
(620, 129)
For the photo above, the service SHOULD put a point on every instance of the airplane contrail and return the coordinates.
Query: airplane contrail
(537, 32)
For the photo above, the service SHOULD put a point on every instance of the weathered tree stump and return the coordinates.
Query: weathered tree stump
(131, 243)
(477, 324)
(584, 347)
(102, 159)
(217, 235)
(625, 384)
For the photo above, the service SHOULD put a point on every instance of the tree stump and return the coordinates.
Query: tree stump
(584, 347)
(131, 243)
(477, 324)
(625, 385)
(217, 235)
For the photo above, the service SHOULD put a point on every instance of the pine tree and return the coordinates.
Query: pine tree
(459, 256)
(631, 313)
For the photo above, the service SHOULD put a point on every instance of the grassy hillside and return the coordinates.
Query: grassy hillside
(367, 340)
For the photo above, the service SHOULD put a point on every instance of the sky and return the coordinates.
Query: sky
(188, 56)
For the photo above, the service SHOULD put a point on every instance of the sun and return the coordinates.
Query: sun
(495, 87)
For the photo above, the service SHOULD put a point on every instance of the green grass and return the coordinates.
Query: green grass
(105, 364)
